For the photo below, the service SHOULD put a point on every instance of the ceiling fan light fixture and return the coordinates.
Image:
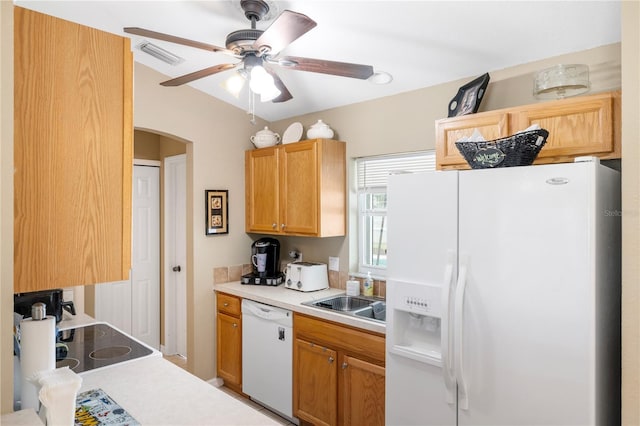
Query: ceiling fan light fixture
(263, 84)
(270, 94)
(160, 53)
(380, 77)
(234, 84)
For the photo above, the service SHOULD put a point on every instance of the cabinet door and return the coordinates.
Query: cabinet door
(261, 192)
(315, 396)
(229, 349)
(299, 182)
(362, 392)
(449, 130)
(72, 154)
(577, 126)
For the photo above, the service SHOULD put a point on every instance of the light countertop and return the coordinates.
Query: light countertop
(156, 392)
(285, 298)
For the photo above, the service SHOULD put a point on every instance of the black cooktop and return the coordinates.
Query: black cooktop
(94, 346)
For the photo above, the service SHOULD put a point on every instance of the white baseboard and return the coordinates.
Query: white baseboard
(216, 381)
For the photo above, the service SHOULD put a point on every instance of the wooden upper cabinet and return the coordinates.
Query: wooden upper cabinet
(588, 125)
(297, 189)
(300, 183)
(448, 131)
(73, 127)
(584, 125)
(262, 180)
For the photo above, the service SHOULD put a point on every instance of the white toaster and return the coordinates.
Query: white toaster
(306, 276)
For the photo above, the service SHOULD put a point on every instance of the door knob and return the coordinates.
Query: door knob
(177, 268)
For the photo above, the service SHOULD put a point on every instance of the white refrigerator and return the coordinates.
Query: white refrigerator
(503, 296)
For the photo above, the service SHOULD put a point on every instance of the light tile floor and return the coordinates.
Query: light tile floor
(182, 363)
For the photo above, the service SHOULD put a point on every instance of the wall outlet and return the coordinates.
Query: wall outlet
(334, 263)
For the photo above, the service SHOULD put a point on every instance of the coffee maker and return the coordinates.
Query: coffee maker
(265, 258)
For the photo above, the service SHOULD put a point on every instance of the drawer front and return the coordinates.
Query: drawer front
(353, 341)
(228, 304)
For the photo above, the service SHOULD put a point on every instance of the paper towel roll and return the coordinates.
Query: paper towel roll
(353, 288)
(58, 395)
(37, 353)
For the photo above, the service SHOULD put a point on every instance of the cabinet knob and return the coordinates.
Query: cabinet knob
(344, 365)
(331, 360)
(235, 325)
(226, 304)
(274, 225)
(282, 226)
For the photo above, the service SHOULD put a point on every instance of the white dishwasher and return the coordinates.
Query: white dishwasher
(267, 356)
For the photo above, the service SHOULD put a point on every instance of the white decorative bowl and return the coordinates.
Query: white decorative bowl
(265, 138)
(320, 130)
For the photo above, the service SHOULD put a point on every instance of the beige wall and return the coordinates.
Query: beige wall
(146, 146)
(218, 135)
(630, 213)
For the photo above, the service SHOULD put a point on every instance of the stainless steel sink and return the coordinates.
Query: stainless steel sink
(342, 303)
(365, 307)
(376, 311)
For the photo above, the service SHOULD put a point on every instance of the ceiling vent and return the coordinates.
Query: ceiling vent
(159, 53)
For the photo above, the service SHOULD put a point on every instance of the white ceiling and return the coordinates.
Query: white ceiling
(421, 43)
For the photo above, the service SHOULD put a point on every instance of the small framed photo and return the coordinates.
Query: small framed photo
(467, 100)
(216, 211)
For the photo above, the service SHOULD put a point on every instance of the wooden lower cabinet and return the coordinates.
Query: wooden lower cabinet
(317, 399)
(363, 392)
(338, 374)
(229, 341)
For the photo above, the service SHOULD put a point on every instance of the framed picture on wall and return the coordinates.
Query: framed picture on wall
(467, 100)
(216, 211)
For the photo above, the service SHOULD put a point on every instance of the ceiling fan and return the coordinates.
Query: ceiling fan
(258, 50)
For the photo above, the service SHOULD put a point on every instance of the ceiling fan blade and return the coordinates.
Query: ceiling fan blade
(287, 27)
(173, 39)
(187, 78)
(284, 95)
(343, 69)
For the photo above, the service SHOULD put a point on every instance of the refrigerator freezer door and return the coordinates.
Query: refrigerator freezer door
(422, 244)
(528, 340)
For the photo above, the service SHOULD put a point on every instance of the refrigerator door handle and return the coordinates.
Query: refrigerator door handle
(446, 341)
(463, 399)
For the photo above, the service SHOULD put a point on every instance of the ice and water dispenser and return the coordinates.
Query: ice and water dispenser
(417, 322)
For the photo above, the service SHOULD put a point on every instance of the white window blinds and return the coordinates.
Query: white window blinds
(373, 172)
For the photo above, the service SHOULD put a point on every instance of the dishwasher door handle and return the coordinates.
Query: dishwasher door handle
(281, 334)
(265, 312)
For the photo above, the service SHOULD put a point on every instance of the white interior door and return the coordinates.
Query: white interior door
(145, 268)
(175, 262)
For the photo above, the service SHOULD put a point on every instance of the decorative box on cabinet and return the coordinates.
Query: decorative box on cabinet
(338, 374)
(585, 125)
(73, 154)
(229, 341)
(297, 189)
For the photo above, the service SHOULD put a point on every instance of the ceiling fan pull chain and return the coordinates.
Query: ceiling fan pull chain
(252, 107)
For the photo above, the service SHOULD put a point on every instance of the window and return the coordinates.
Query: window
(371, 175)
